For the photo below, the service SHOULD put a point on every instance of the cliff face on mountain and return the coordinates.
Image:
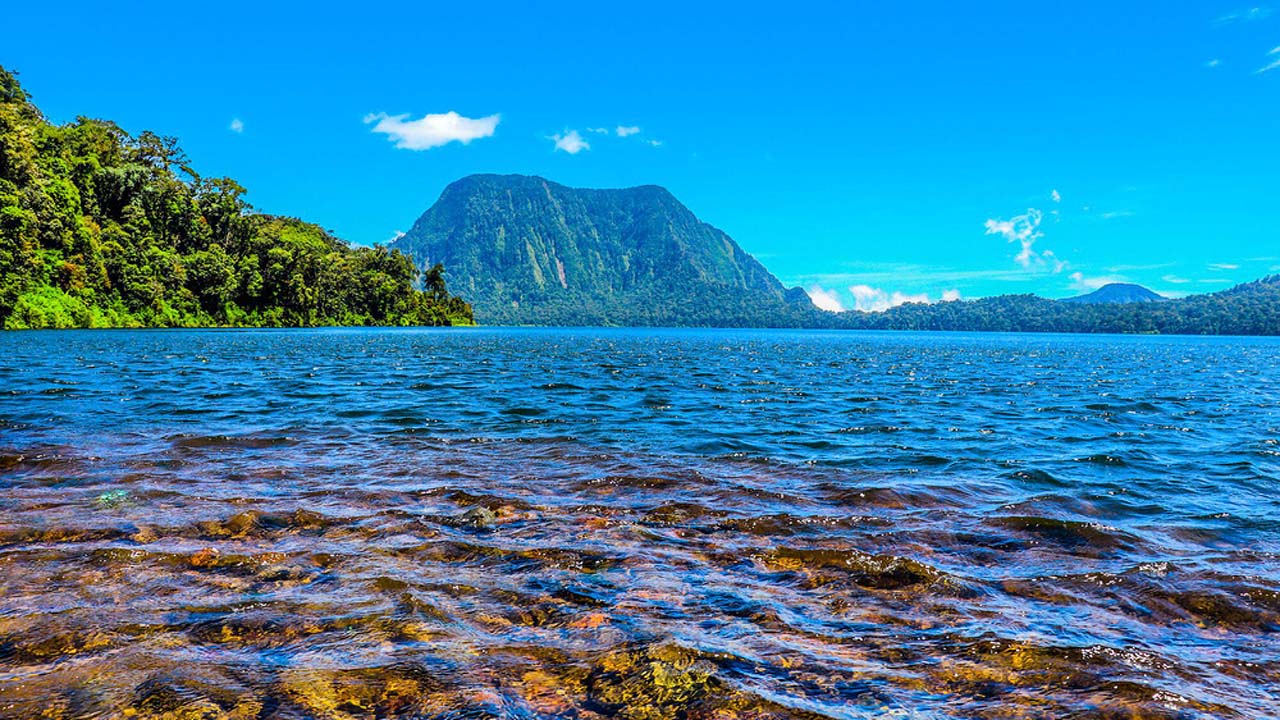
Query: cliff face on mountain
(527, 251)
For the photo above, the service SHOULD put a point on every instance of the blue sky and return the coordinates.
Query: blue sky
(871, 152)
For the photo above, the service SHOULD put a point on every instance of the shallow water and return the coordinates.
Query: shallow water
(637, 524)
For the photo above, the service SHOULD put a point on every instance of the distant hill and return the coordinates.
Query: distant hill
(528, 251)
(1249, 309)
(1117, 293)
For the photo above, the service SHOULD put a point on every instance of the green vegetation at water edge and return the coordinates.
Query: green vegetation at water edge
(527, 251)
(102, 229)
(1252, 308)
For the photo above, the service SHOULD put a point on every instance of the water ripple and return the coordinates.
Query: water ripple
(638, 524)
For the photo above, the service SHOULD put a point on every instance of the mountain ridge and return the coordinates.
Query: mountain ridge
(526, 250)
(1118, 292)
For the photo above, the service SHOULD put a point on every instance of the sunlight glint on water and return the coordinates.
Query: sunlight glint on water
(637, 524)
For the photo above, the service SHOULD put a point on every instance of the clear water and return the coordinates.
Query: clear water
(637, 524)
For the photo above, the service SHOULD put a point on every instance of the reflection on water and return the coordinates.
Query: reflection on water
(657, 524)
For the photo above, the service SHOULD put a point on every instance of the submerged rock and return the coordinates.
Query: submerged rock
(112, 499)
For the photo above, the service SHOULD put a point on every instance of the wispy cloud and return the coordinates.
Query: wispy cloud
(1080, 282)
(825, 299)
(431, 131)
(1025, 230)
(1213, 63)
(862, 273)
(570, 141)
(1223, 266)
(1113, 214)
(236, 126)
(1056, 196)
(620, 131)
(1138, 268)
(1272, 64)
(1175, 279)
(1247, 15)
(871, 299)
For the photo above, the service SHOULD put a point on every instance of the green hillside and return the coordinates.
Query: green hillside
(524, 250)
(102, 229)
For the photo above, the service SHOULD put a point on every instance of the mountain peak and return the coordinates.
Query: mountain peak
(526, 250)
(1117, 293)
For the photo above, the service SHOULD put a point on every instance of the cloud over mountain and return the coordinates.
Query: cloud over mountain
(432, 130)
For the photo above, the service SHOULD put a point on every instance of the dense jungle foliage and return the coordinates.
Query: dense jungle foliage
(102, 229)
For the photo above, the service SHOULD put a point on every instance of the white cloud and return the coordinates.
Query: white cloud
(1139, 267)
(655, 143)
(571, 142)
(236, 126)
(1213, 63)
(1025, 230)
(950, 295)
(1271, 65)
(1223, 266)
(897, 273)
(825, 299)
(598, 130)
(1080, 282)
(627, 130)
(1174, 279)
(432, 131)
(1057, 197)
(395, 235)
(870, 299)
(1116, 214)
(1248, 15)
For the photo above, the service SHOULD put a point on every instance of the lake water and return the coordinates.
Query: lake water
(637, 524)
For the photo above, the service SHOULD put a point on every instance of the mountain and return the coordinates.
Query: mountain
(1249, 309)
(1117, 293)
(528, 251)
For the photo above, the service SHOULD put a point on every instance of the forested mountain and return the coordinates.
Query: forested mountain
(1249, 309)
(1117, 293)
(524, 250)
(102, 229)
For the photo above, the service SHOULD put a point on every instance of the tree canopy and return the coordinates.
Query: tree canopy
(99, 228)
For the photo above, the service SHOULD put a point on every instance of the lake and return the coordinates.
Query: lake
(637, 524)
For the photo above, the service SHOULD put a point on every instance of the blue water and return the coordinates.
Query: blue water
(555, 523)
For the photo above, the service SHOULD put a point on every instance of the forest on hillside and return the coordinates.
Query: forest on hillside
(1252, 308)
(99, 228)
